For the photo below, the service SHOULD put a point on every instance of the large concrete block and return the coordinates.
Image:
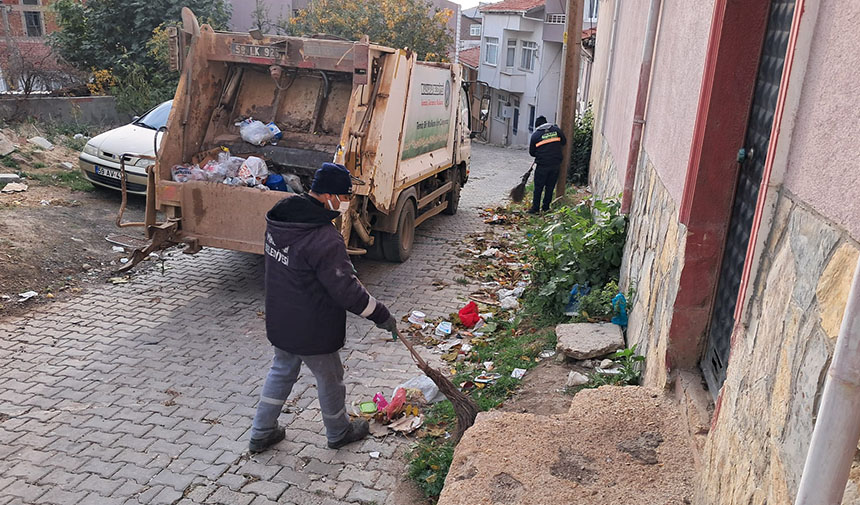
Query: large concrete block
(588, 340)
(615, 445)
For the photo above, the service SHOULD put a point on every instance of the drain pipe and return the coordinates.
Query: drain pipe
(641, 100)
(837, 430)
(611, 58)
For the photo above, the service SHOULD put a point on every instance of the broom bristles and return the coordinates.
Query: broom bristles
(518, 193)
(464, 407)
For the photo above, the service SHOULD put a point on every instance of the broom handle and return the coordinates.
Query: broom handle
(417, 357)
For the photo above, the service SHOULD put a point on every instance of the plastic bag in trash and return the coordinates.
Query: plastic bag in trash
(197, 174)
(294, 183)
(215, 171)
(427, 387)
(181, 173)
(253, 171)
(255, 132)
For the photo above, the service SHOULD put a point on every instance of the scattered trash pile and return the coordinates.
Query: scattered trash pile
(497, 262)
(403, 413)
(253, 171)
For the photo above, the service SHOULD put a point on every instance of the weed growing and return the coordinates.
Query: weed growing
(72, 180)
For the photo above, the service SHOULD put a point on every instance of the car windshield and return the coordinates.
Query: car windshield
(157, 117)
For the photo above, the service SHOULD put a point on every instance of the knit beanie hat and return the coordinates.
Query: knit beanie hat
(333, 179)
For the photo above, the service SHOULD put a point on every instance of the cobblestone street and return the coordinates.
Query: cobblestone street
(144, 392)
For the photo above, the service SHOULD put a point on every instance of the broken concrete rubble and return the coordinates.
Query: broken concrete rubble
(588, 340)
(7, 178)
(41, 142)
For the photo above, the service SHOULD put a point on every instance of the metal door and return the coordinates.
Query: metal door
(752, 160)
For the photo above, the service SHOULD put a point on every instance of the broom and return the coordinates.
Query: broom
(519, 191)
(464, 407)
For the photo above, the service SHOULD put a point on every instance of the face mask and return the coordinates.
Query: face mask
(341, 208)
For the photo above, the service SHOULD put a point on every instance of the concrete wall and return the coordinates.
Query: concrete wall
(624, 81)
(679, 62)
(86, 109)
(823, 168)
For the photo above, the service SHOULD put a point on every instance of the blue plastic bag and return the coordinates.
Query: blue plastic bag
(576, 294)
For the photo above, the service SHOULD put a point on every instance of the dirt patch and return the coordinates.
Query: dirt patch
(52, 237)
(542, 389)
(573, 466)
(505, 488)
(643, 447)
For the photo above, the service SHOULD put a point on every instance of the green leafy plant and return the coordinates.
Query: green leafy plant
(583, 245)
(630, 370)
(429, 465)
(580, 155)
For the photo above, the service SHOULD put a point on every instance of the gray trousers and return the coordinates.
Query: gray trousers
(328, 371)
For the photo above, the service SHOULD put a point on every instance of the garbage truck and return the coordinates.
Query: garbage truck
(401, 126)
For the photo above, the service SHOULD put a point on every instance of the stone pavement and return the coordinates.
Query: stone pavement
(144, 392)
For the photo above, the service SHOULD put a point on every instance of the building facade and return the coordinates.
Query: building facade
(521, 61)
(26, 60)
(737, 160)
(470, 28)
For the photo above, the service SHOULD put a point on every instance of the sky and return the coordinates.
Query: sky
(466, 3)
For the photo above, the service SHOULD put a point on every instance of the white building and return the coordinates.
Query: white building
(521, 60)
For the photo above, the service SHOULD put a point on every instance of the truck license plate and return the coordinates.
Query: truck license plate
(254, 51)
(107, 172)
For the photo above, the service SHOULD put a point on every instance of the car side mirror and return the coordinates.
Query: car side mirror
(134, 119)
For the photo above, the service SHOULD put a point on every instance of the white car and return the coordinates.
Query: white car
(99, 159)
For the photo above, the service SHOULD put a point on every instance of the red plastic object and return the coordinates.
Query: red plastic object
(396, 403)
(469, 315)
(380, 401)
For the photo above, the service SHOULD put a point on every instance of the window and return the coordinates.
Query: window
(491, 50)
(531, 118)
(527, 62)
(501, 103)
(555, 19)
(33, 22)
(30, 2)
(511, 56)
(475, 30)
(590, 8)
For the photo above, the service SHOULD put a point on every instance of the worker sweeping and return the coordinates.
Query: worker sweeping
(310, 284)
(545, 146)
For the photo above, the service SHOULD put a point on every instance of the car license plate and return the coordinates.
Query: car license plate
(254, 51)
(107, 172)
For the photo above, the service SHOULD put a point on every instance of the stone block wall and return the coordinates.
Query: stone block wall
(653, 259)
(780, 356)
(603, 170)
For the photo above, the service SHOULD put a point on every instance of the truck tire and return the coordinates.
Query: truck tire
(453, 198)
(374, 252)
(397, 246)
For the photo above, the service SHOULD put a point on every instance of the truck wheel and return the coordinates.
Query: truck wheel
(453, 198)
(397, 246)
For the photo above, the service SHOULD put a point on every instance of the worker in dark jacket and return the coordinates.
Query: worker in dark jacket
(310, 284)
(545, 146)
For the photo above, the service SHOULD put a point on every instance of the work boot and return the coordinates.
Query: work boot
(261, 444)
(358, 429)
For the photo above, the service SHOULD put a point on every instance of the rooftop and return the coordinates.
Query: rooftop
(513, 6)
(471, 57)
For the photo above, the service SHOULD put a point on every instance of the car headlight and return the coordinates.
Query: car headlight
(143, 162)
(91, 149)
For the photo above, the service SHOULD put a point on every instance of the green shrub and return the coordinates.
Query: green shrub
(583, 245)
(580, 154)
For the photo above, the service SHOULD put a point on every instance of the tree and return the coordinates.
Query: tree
(113, 34)
(128, 39)
(34, 67)
(261, 14)
(413, 24)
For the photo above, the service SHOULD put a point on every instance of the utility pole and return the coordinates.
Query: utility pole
(569, 83)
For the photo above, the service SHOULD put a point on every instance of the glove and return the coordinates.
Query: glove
(389, 324)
